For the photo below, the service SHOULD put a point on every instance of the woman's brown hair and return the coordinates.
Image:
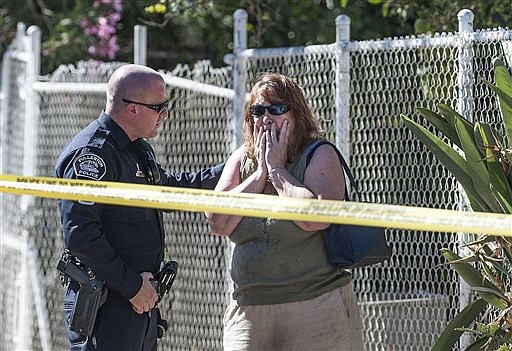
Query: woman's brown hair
(277, 88)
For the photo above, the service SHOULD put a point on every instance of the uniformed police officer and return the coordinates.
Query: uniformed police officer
(123, 246)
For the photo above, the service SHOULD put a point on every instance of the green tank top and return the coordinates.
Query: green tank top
(275, 261)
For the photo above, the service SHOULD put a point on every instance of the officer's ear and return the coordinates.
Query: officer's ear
(131, 109)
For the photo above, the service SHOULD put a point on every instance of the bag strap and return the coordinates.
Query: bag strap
(309, 153)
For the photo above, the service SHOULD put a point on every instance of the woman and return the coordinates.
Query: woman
(286, 294)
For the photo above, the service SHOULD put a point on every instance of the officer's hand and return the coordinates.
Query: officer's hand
(145, 299)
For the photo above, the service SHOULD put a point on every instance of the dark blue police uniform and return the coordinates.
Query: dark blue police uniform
(117, 242)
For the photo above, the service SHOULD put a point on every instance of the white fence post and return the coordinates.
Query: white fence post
(32, 45)
(140, 45)
(343, 86)
(240, 44)
(465, 77)
(4, 104)
(465, 106)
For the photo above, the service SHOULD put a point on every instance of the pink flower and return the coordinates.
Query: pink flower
(118, 5)
(115, 17)
(113, 47)
(101, 24)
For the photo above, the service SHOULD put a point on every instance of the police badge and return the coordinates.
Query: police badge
(89, 166)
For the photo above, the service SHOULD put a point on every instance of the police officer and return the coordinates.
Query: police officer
(123, 246)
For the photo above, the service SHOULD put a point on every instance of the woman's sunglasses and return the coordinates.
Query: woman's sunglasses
(276, 110)
(155, 107)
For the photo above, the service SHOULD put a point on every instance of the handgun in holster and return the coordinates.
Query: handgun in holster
(91, 295)
(162, 283)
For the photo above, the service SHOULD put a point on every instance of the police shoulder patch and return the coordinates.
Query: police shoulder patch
(89, 166)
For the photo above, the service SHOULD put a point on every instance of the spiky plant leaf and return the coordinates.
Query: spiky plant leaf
(497, 263)
(505, 205)
(505, 107)
(451, 160)
(475, 280)
(440, 122)
(490, 291)
(492, 147)
(450, 334)
(476, 167)
(478, 344)
(504, 84)
(451, 115)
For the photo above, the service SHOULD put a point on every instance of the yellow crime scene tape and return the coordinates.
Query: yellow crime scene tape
(259, 205)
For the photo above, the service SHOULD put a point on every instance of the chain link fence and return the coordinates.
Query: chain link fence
(405, 302)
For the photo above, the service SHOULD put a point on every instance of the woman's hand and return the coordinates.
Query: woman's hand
(260, 138)
(276, 147)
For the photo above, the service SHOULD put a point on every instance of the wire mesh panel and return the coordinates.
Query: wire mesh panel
(11, 241)
(196, 135)
(13, 136)
(410, 295)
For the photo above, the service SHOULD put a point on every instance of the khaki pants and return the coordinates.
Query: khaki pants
(328, 322)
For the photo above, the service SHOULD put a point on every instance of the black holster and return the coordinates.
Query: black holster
(162, 283)
(90, 296)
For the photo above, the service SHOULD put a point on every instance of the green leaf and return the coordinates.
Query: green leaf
(450, 335)
(505, 205)
(477, 345)
(475, 280)
(441, 124)
(451, 116)
(497, 175)
(496, 263)
(490, 291)
(454, 162)
(504, 83)
(476, 167)
(505, 107)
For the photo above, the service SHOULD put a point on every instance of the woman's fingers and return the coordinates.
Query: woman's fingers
(283, 134)
(273, 133)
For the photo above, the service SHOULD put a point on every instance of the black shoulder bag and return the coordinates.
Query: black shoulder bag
(352, 246)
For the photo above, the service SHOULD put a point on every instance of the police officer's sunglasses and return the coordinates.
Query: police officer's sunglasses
(276, 109)
(155, 107)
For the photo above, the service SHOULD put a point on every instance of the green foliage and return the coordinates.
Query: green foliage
(482, 164)
(438, 15)
(190, 30)
(463, 319)
(72, 30)
(185, 31)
